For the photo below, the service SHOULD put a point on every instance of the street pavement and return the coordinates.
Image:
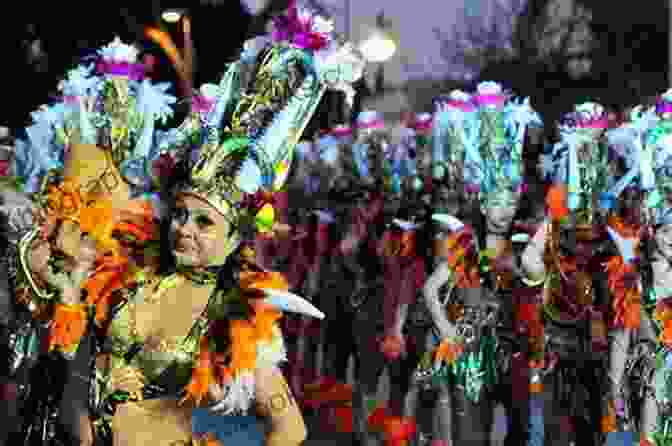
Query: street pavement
(317, 436)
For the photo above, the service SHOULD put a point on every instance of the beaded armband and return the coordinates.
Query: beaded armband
(68, 322)
(28, 292)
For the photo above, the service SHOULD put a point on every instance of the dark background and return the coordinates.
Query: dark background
(69, 33)
(630, 60)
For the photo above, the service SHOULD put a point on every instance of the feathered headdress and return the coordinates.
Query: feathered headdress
(88, 153)
(485, 133)
(657, 159)
(248, 136)
(101, 129)
(629, 143)
(413, 140)
(504, 122)
(84, 158)
(580, 159)
(455, 135)
(370, 144)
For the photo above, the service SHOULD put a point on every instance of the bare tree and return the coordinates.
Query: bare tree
(479, 38)
(554, 33)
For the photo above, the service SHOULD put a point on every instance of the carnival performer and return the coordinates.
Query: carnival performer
(320, 162)
(344, 195)
(655, 173)
(330, 392)
(632, 336)
(400, 251)
(358, 243)
(448, 158)
(300, 193)
(563, 262)
(222, 346)
(84, 231)
(484, 134)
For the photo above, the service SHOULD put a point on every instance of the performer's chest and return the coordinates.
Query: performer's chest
(173, 313)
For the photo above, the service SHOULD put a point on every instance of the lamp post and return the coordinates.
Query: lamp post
(377, 48)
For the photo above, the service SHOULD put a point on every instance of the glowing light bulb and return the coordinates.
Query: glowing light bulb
(378, 48)
(171, 15)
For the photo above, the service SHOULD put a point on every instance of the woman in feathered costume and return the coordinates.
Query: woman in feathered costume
(87, 165)
(168, 354)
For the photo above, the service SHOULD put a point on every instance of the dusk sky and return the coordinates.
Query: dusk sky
(413, 22)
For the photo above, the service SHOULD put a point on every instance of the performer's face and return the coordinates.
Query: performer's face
(424, 159)
(201, 235)
(663, 238)
(346, 159)
(632, 206)
(448, 200)
(499, 213)
(375, 156)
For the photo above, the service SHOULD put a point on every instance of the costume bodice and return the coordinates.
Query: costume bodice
(150, 331)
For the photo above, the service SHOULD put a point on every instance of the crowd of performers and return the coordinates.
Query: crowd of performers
(150, 272)
(416, 241)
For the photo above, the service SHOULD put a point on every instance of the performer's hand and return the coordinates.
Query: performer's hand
(87, 253)
(71, 295)
(69, 284)
(349, 244)
(216, 392)
(39, 259)
(437, 279)
(393, 346)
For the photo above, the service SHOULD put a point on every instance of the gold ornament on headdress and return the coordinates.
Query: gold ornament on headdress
(96, 173)
(268, 112)
(215, 176)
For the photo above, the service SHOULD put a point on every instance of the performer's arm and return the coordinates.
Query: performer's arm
(431, 294)
(533, 256)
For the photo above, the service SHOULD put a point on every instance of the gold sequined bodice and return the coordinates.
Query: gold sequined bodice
(157, 321)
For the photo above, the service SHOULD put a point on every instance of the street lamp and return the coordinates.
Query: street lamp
(379, 47)
(172, 15)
